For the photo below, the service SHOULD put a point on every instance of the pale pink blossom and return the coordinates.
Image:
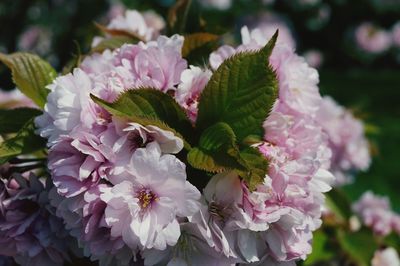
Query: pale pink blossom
(264, 27)
(314, 58)
(372, 39)
(36, 39)
(220, 55)
(144, 25)
(375, 212)
(396, 34)
(350, 149)
(193, 81)
(77, 163)
(86, 164)
(143, 207)
(386, 257)
(14, 99)
(157, 64)
(116, 10)
(83, 216)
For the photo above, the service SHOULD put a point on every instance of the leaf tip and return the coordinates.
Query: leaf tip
(271, 43)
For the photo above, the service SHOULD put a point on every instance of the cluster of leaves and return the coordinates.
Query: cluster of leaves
(30, 74)
(232, 109)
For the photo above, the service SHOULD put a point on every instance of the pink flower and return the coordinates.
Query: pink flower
(386, 257)
(14, 99)
(83, 216)
(193, 81)
(375, 212)
(35, 39)
(314, 58)
(78, 164)
(115, 11)
(146, 26)
(155, 64)
(372, 39)
(143, 207)
(65, 104)
(350, 149)
(91, 152)
(396, 34)
(264, 27)
(220, 55)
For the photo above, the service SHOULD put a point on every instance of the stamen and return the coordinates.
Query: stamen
(146, 198)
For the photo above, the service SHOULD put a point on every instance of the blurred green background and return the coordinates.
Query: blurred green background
(369, 85)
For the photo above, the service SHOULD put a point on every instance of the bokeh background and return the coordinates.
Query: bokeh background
(355, 44)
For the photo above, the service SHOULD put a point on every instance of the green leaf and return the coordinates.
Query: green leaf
(12, 120)
(392, 240)
(337, 201)
(359, 246)
(256, 166)
(31, 74)
(149, 106)
(113, 43)
(197, 46)
(322, 251)
(74, 62)
(24, 142)
(211, 162)
(217, 150)
(177, 16)
(218, 136)
(240, 93)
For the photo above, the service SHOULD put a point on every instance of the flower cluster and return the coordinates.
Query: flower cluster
(121, 182)
(285, 210)
(127, 190)
(30, 232)
(375, 212)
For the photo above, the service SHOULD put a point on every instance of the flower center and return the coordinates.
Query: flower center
(146, 198)
(102, 116)
(136, 141)
(218, 212)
